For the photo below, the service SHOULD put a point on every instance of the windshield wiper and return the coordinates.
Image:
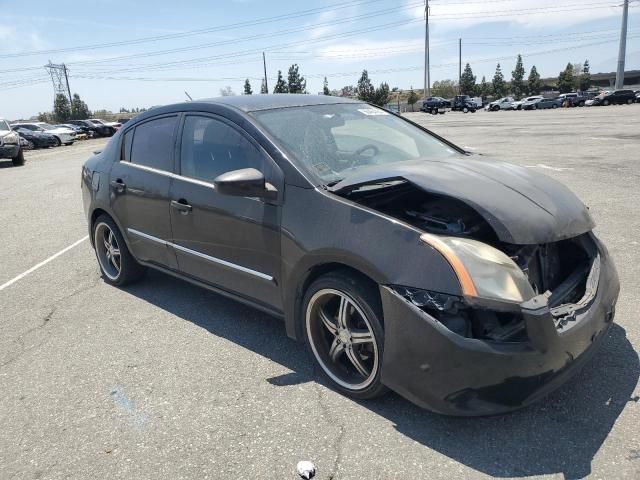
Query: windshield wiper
(368, 186)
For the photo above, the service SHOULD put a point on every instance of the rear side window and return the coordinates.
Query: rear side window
(211, 147)
(152, 144)
(126, 146)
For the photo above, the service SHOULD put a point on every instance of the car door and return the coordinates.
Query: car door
(228, 241)
(140, 184)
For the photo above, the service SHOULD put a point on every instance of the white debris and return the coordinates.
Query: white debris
(306, 469)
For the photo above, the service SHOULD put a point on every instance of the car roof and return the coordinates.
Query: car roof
(252, 103)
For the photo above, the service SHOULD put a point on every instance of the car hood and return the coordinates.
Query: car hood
(522, 206)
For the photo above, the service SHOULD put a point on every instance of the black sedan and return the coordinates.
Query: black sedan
(616, 97)
(467, 285)
(36, 139)
(96, 129)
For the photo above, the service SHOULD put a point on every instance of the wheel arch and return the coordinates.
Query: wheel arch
(293, 309)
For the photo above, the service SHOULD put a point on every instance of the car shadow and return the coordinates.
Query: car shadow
(561, 434)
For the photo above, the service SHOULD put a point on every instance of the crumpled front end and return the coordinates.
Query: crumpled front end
(461, 356)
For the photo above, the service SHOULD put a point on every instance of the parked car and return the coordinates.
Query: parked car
(63, 135)
(526, 103)
(545, 103)
(122, 121)
(616, 97)
(10, 144)
(35, 138)
(435, 105)
(402, 261)
(81, 132)
(463, 103)
(637, 92)
(98, 130)
(97, 121)
(504, 103)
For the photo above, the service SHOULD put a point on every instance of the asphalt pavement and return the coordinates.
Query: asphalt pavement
(163, 380)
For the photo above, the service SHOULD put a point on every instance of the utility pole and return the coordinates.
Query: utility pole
(264, 64)
(623, 46)
(459, 64)
(66, 78)
(427, 79)
(60, 79)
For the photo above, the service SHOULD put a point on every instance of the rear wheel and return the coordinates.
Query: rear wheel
(343, 330)
(606, 103)
(629, 101)
(554, 106)
(465, 110)
(18, 160)
(117, 265)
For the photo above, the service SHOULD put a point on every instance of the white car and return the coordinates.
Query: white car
(63, 135)
(505, 103)
(517, 105)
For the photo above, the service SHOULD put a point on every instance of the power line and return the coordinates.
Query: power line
(249, 23)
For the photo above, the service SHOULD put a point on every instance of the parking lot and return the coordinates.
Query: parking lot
(164, 380)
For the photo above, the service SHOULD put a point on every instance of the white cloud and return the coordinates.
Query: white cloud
(527, 13)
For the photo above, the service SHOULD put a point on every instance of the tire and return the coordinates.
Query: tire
(629, 101)
(606, 103)
(58, 142)
(465, 110)
(433, 111)
(581, 104)
(118, 271)
(554, 106)
(19, 159)
(352, 364)
(31, 145)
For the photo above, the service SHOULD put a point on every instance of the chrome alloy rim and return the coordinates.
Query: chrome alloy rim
(108, 251)
(342, 339)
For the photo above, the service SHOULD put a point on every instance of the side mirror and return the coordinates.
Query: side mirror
(246, 182)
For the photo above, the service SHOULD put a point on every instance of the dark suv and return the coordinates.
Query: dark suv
(98, 130)
(618, 97)
(435, 105)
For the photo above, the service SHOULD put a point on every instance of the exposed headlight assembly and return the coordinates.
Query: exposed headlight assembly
(483, 271)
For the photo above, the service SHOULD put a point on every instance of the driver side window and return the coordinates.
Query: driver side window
(211, 147)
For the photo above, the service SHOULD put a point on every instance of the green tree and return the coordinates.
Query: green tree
(498, 83)
(365, 90)
(247, 88)
(79, 109)
(585, 77)
(348, 91)
(382, 95)
(61, 108)
(263, 87)
(413, 98)
(468, 82)
(534, 83)
(485, 88)
(566, 79)
(46, 117)
(296, 82)
(444, 88)
(518, 86)
(281, 85)
(325, 87)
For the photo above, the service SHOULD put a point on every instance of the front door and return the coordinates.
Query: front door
(230, 242)
(139, 185)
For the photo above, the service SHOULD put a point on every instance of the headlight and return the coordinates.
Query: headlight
(11, 139)
(483, 271)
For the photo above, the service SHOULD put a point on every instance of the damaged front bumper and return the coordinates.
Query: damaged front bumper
(442, 371)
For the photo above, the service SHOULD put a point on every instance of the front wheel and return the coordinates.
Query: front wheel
(117, 265)
(629, 102)
(19, 159)
(554, 106)
(343, 330)
(465, 110)
(606, 103)
(58, 142)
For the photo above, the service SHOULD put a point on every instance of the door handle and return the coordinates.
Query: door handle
(118, 185)
(182, 206)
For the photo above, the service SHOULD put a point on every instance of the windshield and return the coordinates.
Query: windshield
(45, 126)
(4, 125)
(97, 122)
(331, 142)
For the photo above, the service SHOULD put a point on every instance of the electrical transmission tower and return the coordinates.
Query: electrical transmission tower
(60, 79)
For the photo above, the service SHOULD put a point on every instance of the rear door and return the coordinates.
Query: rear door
(140, 184)
(230, 242)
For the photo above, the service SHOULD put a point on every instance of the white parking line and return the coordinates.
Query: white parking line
(43, 263)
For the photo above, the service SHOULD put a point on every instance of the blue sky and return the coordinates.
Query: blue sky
(336, 38)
